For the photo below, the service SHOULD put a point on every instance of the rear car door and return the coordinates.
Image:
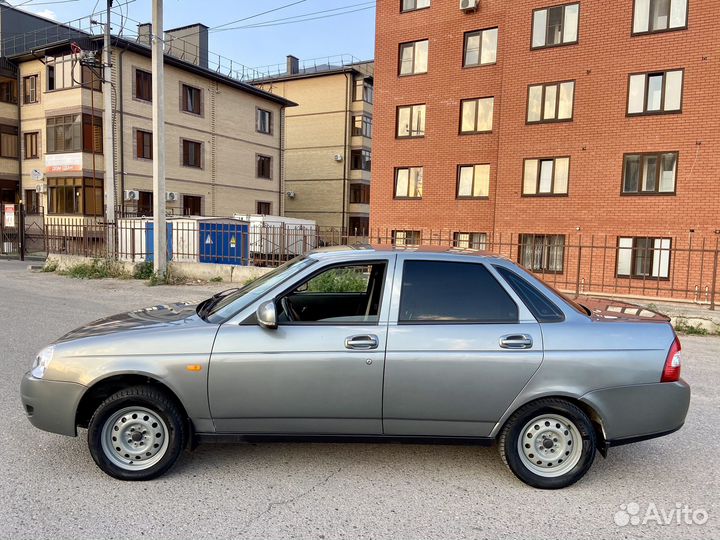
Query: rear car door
(461, 346)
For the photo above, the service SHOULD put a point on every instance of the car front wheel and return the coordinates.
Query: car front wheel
(137, 434)
(548, 444)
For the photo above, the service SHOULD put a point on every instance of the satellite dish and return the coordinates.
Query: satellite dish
(36, 174)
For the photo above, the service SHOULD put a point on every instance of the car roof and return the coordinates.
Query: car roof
(358, 249)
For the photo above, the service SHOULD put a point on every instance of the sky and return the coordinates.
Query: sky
(338, 27)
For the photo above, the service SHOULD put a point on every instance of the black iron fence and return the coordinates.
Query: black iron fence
(667, 269)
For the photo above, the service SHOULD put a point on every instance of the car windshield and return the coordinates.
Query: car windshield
(229, 305)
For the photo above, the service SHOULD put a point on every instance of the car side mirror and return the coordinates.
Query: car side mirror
(267, 315)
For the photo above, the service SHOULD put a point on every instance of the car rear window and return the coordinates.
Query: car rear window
(539, 305)
(448, 292)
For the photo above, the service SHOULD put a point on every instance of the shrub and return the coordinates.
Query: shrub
(344, 280)
(143, 270)
(97, 269)
(50, 266)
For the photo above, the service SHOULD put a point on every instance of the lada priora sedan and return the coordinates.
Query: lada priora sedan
(368, 343)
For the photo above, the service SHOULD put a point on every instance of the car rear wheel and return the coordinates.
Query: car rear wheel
(548, 444)
(137, 434)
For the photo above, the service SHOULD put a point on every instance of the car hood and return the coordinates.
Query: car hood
(151, 317)
(608, 310)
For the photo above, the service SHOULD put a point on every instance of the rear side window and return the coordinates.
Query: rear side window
(447, 292)
(540, 306)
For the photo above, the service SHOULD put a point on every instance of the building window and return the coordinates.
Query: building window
(480, 47)
(409, 183)
(414, 57)
(359, 193)
(191, 153)
(75, 196)
(32, 149)
(470, 240)
(363, 90)
(192, 205)
(32, 202)
(66, 72)
(8, 141)
(143, 85)
(264, 166)
(92, 133)
(263, 121)
(542, 252)
(555, 26)
(358, 225)
(650, 173)
(360, 160)
(547, 176)
(641, 257)
(473, 181)
(411, 121)
(659, 15)
(362, 126)
(191, 99)
(143, 144)
(8, 92)
(74, 133)
(476, 115)
(653, 93)
(413, 5)
(30, 89)
(264, 208)
(406, 238)
(551, 102)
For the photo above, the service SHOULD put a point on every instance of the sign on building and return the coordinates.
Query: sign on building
(9, 215)
(64, 163)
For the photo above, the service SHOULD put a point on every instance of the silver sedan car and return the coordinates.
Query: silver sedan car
(369, 343)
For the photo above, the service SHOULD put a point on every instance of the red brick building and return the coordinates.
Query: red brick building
(541, 127)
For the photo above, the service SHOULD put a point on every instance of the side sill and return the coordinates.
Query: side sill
(249, 438)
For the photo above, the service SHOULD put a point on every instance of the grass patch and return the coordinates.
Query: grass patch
(336, 281)
(216, 279)
(50, 266)
(143, 270)
(96, 269)
(682, 326)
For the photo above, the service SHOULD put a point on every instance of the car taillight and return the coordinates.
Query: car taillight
(671, 371)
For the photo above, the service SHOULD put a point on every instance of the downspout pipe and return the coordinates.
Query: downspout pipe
(122, 130)
(348, 100)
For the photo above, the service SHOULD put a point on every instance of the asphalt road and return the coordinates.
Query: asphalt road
(50, 487)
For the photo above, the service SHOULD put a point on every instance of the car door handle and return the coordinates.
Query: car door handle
(516, 341)
(364, 342)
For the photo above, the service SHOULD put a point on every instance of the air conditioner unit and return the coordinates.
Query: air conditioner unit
(469, 5)
(291, 194)
(338, 157)
(41, 188)
(132, 195)
(172, 196)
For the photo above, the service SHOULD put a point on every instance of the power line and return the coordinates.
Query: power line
(259, 14)
(304, 17)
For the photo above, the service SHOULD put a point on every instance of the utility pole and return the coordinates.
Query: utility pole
(108, 135)
(158, 115)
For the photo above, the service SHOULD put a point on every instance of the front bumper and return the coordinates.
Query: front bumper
(638, 412)
(51, 405)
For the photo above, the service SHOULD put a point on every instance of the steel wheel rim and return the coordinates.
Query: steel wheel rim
(550, 445)
(134, 438)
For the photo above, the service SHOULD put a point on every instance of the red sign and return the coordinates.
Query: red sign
(9, 215)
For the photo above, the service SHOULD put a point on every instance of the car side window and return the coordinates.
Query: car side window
(540, 306)
(453, 292)
(341, 294)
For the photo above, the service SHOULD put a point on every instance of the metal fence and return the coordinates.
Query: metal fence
(666, 269)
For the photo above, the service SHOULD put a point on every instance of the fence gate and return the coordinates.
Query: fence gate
(10, 222)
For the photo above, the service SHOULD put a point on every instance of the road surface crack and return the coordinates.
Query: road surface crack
(275, 504)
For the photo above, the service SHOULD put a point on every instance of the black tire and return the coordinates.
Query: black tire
(512, 432)
(161, 405)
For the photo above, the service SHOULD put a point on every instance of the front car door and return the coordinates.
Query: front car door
(461, 346)
(321, 370)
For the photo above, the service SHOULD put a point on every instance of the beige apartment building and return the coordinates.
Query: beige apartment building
(223, 148)
(327, 140)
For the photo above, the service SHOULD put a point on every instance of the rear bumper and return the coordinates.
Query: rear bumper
(639, 412)
(51, 405)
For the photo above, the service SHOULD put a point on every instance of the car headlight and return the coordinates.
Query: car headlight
(42, 361)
